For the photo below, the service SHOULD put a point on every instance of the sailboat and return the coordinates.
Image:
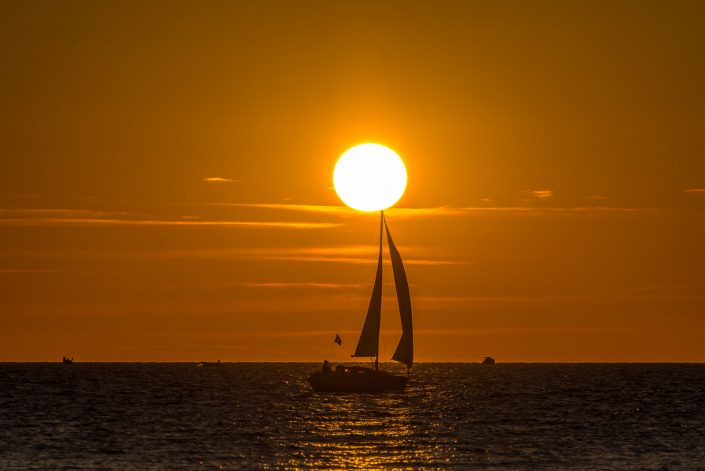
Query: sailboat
(361, 379)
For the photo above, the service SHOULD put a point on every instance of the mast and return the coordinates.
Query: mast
(381, 227)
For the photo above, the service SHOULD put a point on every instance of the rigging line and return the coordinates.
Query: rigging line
(384, 320)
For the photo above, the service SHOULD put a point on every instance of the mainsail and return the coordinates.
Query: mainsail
(405, 350)
(368, 345)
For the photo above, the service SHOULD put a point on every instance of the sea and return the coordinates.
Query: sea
(510, 416)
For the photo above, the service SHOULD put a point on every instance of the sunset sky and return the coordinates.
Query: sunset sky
(166, 178)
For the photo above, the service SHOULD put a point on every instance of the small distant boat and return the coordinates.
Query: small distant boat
(360, 379)
(66, 360)
(488, 361)
(210, 363)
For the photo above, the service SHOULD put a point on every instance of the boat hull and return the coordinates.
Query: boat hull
(367, 381)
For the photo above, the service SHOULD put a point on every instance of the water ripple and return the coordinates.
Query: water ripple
(264, 416)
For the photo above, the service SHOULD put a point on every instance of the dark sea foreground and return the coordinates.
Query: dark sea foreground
(265, 416)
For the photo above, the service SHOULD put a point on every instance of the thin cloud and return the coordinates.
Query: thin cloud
(353, 254)
(307, 208)
(464, 300)
(534, 210)
(350, 336)
(353, 251)
(61, 213)
(539, 194)
(298, 285)
(350, 254)
(220, 180)
(484, 331)
(695, 191)
(288, 333)
(344, 210)
(85, 217)
(357, 250)
(91, 218)
(410, 261)
(420, 212)
(44, 271)
(161, 222)
(570, 298)
(440, 211)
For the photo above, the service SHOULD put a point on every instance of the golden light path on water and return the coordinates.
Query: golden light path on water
(363, 432)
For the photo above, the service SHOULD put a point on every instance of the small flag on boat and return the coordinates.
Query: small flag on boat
(338, 340)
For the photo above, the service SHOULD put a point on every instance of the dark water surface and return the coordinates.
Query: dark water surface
(254, 416)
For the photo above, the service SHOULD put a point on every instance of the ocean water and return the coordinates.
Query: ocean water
(265, 416)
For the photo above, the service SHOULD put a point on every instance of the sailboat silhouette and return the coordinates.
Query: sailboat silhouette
(360, 379)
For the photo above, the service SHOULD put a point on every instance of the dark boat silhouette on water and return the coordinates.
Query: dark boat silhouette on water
(488, 361)
(362, 379)
(210, 363)
(66, 360)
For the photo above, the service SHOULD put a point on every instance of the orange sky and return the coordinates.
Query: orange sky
(556, 156)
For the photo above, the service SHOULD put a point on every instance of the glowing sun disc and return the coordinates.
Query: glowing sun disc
(369, 177)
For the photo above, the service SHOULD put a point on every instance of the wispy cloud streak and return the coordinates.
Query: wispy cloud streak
(61, 213)
(85, 217)
(539, 194)
(577, 209)
(411, 261)
(695, 191)
(465, 300)
(441, 211)
(44, 271)
(297, 285)
(161, 222)
(344, 210)
(220, 180)
(93, 218)
(355, 254)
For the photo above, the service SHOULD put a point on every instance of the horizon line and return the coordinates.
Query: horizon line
(479, 362)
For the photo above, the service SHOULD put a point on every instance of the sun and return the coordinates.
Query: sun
(369, 177)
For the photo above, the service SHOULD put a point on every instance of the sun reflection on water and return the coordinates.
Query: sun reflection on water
(362, 431)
